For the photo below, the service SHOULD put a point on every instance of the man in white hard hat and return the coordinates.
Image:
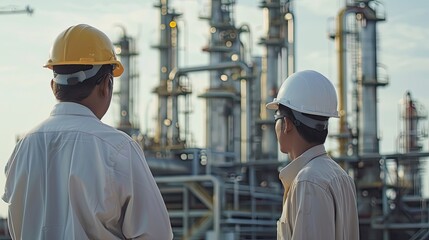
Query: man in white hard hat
(320, 197)
(73, 177)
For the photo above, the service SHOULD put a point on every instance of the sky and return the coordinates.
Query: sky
(26, 98)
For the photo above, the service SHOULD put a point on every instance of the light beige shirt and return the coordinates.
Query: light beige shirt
(320, 200)
(73, 177)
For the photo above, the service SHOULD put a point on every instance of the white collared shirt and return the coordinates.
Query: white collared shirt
(320, 199)
(73, 177)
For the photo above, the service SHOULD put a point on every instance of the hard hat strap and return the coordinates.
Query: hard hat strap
(319, 125)
(77, 77)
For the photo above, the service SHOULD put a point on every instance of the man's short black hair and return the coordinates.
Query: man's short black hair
(311, 135)
(81, 90)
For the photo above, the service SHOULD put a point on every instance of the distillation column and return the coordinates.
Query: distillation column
(277, 63)
(128, 84)
(368, 82)
(223, 113)
(167, 130)
(356, 40)
(368, 138)
(412, 114)
(362, 66)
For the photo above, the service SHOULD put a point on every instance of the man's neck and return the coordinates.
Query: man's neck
(300, 148)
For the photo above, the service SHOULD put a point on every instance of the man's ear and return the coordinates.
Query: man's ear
(104, 89)
(52, 84)
(287, 125)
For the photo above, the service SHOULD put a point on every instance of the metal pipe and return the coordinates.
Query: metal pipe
(216, 194)
(176, 72)
(174, 129)
(341, 40)
(290, 18)
(164, 49)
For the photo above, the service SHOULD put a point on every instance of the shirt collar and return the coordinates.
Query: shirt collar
(288, 173)
(71, 108)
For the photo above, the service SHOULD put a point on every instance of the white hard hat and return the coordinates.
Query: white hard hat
(307, 92)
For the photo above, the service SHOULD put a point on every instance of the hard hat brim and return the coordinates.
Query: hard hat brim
(117, 71)
(274, 105)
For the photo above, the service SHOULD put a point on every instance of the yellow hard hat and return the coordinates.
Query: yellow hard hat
(83, 45)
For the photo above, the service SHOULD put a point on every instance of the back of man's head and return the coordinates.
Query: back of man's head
(75, 90)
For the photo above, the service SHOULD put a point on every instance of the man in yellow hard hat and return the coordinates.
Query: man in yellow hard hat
(320, 197)
(73, 177)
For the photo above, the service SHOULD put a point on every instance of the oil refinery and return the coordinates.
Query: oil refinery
(229, 189)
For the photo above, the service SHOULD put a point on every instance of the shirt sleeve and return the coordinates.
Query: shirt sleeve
(312, 212)
(144, 212)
